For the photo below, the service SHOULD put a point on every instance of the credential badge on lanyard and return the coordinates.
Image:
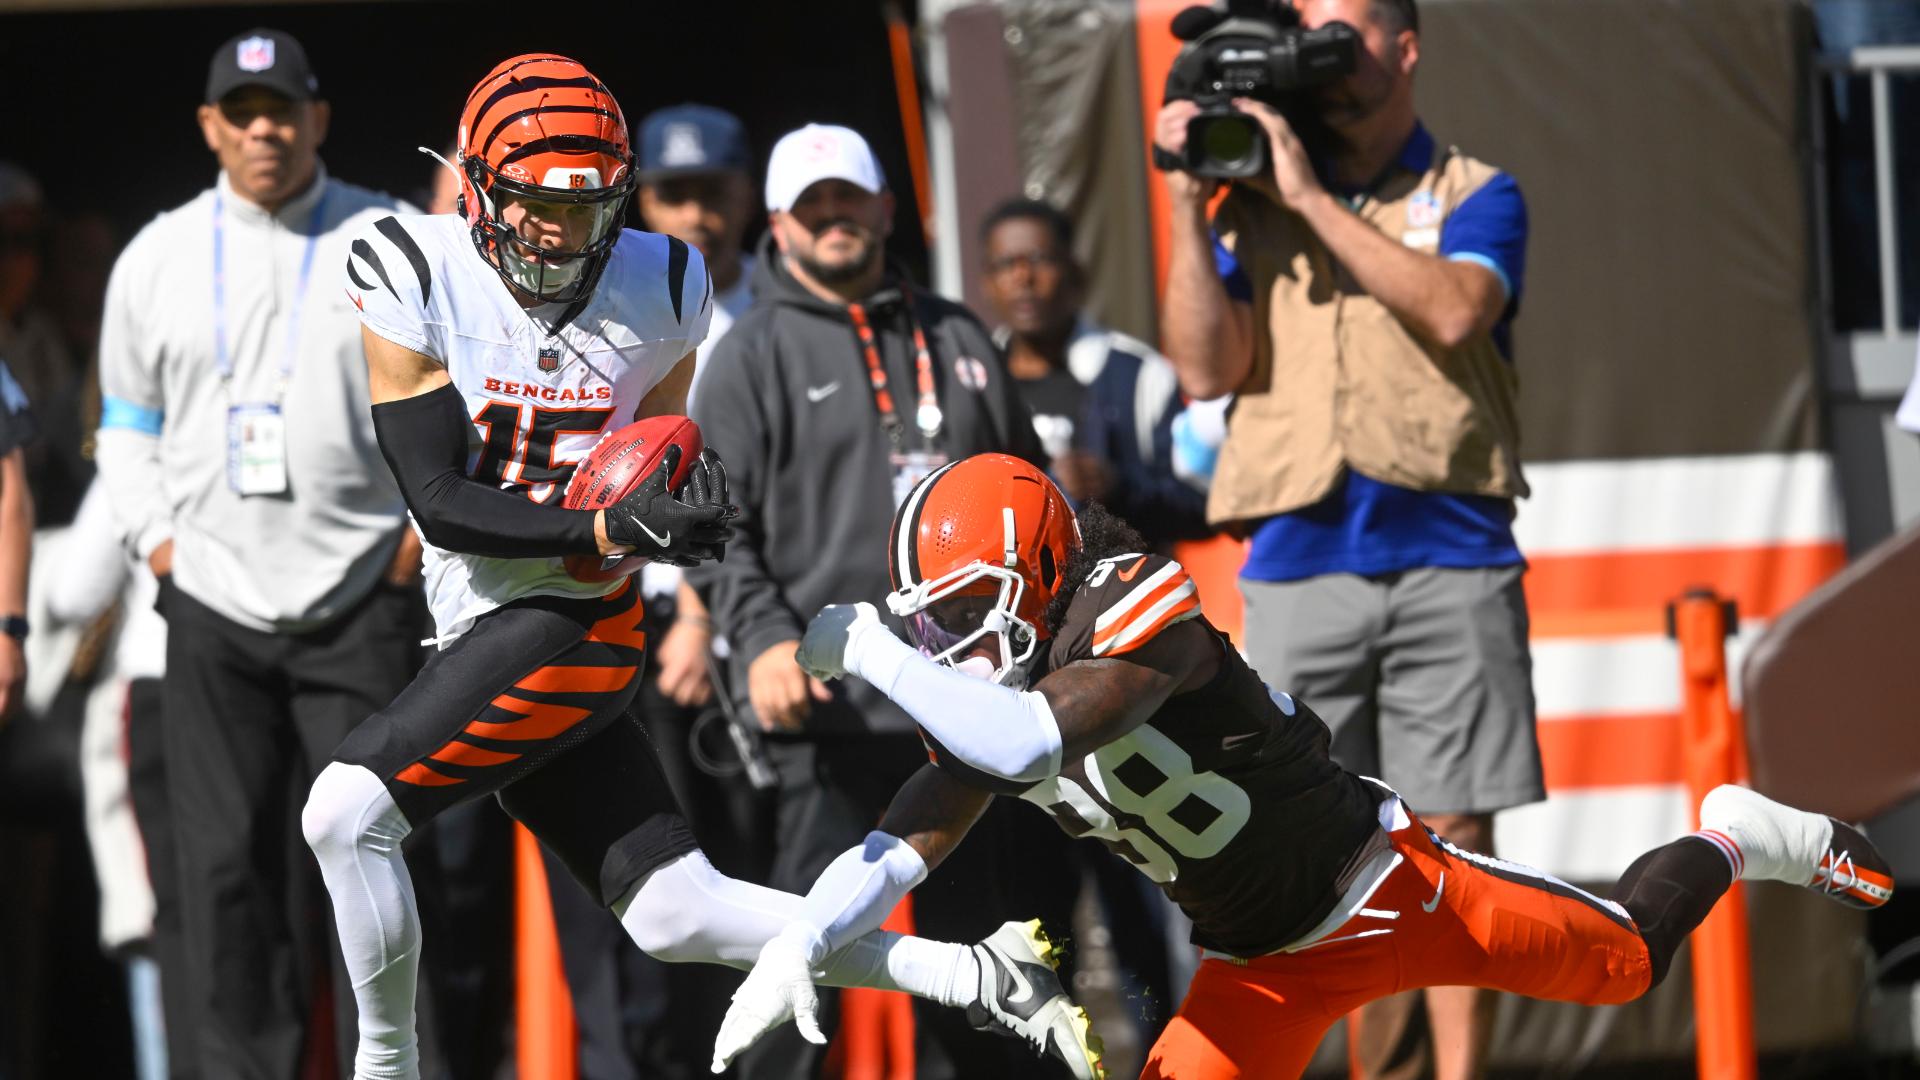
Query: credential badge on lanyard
(909, 466)
(257, 430)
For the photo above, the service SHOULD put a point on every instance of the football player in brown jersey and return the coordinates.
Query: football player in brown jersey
(1103, 696)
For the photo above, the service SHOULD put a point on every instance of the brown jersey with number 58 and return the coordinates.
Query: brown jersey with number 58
(1226, 797)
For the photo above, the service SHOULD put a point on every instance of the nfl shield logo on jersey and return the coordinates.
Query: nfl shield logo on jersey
(1424, 210)
(549, 360)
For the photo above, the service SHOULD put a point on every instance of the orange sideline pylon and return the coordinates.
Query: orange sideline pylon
(543, 1008)
(1714, 753)
(906, 87)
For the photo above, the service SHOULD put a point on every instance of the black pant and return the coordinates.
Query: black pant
(531, 706)
(250, 719)
(832, 793)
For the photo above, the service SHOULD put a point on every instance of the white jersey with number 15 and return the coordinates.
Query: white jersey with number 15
(540, 394)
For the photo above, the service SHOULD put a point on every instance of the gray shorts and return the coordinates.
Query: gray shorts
(1423, 676)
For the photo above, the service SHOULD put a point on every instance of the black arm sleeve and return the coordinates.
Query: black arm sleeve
(424, 440)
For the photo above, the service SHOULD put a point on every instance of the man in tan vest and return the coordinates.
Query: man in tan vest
(1358, 302)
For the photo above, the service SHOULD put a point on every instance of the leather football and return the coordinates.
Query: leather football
(615, 466)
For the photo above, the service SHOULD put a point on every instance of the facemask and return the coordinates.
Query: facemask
(527, 273)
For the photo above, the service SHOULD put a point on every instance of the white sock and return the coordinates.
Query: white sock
(688, 911)
(1771, 841)
(355, 829)
(1728, 848)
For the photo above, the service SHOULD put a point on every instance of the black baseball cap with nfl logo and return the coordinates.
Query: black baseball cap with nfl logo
(265, 58)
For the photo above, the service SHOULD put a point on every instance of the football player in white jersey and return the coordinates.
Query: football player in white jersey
(501, 342)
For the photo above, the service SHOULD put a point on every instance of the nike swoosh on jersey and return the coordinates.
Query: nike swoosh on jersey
(663, 539)
(1129, 572)
(1428, 905)
(818, 394)
(1228, 742)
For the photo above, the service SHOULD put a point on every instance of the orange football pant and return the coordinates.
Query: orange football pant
(1486, 923)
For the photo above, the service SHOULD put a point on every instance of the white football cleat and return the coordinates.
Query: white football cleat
(1775, 842)
(1021, 997)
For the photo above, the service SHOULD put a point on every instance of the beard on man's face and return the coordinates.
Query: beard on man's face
(840, 271)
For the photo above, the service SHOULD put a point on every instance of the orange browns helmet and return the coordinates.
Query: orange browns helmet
(540, 129)
(978, 548)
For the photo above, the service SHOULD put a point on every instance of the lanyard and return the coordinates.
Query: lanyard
(222, 360)
(927, 414)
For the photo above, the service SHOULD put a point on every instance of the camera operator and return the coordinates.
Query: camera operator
(1357, 299)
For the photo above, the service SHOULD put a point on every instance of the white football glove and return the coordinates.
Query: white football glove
(779, 986)
(823, 651)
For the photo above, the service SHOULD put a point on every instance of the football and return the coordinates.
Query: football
(616, 465)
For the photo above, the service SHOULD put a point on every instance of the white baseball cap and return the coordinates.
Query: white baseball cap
(819, 152)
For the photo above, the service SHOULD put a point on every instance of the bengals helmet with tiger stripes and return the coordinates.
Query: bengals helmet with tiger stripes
(542, 131)
(979, 547)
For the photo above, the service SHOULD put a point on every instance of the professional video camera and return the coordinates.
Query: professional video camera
(1256, 49)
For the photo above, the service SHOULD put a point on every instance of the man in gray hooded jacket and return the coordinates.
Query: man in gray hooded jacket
(834, 393)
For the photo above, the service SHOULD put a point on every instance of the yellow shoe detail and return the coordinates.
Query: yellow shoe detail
(1043, 946)
(1096, 1049)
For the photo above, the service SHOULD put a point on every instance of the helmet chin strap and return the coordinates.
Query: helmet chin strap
(976, 667)
(538, 278)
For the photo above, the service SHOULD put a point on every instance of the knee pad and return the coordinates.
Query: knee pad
(349, 807)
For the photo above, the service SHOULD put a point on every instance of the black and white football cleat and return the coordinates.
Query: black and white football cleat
(1021, 997)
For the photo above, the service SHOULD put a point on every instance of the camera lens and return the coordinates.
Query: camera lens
(1230, 144)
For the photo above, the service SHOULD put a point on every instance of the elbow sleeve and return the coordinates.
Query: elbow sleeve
(1028, 748)
(1002, 732)
(424, 440)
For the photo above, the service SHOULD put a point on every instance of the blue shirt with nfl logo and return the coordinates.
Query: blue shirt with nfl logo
(1369, 527)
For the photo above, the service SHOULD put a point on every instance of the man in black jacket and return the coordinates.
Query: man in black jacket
(833, 395)
(1103, 404)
